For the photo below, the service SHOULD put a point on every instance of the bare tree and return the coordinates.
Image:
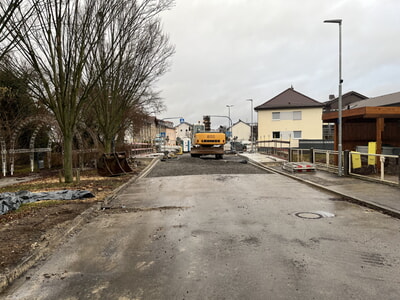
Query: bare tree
(7, 9)
(15, 101)
(58, 41)
(140, 57)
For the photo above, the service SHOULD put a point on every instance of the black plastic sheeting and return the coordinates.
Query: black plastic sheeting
(12, 201)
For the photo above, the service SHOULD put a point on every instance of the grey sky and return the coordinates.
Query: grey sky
(228, 51)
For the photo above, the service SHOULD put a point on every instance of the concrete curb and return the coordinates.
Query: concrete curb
(346, 197)
(46, 247)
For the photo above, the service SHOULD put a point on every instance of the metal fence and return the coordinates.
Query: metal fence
(327, 160)
(380, 167)
(300, 155)
(276, 148)
(140, 149)
(376, 167)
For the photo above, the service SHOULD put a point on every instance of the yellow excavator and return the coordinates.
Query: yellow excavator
(206, 142)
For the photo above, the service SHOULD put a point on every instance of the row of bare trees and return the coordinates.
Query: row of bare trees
(88, 60)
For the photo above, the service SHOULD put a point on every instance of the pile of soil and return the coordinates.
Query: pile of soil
(21, 231)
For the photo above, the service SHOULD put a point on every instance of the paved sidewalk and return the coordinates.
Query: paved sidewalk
(378, 196)
(6, 181)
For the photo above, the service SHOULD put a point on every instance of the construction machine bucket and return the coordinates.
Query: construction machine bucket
(113, 164)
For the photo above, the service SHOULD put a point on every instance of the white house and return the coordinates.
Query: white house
(241, 131)
(184, 134)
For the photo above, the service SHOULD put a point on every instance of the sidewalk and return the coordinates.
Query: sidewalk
(6, 181)
(378, 196)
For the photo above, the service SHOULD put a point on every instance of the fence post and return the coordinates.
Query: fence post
(78, 175)
(312, 155)
(382, 160)
(60, 176)
(346, 159)
(398, 168)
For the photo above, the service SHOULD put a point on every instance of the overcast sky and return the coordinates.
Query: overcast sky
(228, 51)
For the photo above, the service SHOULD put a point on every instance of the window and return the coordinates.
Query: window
(297, 115)
(286, 115)
(297, 134)
(276, 116)
(276, 135)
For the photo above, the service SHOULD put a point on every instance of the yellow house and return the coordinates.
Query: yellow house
(289, 116)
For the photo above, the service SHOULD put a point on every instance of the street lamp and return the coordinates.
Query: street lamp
(229, 115)
(251, 124)
(339, 21)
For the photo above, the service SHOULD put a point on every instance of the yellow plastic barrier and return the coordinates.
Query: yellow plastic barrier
(356, 160)
(371, 150)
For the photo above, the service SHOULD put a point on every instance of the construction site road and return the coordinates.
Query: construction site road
(227, 231)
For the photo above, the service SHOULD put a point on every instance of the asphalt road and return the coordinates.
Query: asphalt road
(231, 235)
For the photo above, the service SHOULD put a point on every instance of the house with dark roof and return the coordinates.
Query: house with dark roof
(332, 105)
(347, 100)
(241, 131)
(375, 119)
(290, 116)
(388, 100)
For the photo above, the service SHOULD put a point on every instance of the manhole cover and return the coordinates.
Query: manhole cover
(308, 215)
(314, 214)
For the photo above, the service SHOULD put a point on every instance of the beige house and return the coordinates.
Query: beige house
(289, 116)
(150, 130)
(241, 131)
(143, 131)
(166, 131)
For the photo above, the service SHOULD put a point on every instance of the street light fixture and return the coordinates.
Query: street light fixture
(229, 115)
(339, 21)
(251, 124)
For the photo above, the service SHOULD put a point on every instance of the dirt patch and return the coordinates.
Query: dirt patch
(21, 231)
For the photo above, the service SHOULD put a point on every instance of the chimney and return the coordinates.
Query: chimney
(331, 96)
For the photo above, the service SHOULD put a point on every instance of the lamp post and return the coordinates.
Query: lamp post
(251, 124)
(339, 21)
(229, 115)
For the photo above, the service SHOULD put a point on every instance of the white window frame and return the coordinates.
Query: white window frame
(298, 137)
(274, 114)
(297, 113)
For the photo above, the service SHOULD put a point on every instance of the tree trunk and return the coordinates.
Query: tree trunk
(68, 174)
(108, 145)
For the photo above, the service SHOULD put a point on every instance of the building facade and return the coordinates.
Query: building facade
(241, 131)
(290, 116)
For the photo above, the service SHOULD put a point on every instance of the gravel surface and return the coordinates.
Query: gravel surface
(187, 165)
